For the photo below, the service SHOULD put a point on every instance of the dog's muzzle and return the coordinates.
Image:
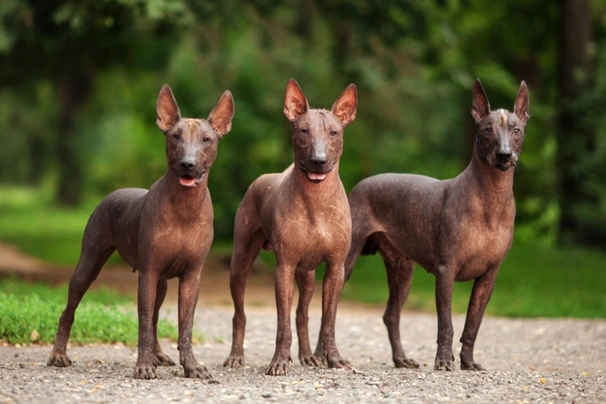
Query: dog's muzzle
(314, 174)
(189, 178)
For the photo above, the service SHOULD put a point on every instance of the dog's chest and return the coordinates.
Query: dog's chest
(310, 240)
(482, 248)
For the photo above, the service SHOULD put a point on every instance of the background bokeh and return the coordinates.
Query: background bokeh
(79, 81)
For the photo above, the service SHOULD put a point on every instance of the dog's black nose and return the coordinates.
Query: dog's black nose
(504, 156)
(318, 161)
(188, 163)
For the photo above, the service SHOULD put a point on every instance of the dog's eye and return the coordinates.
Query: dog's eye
(177, 135)
(333, 133)
(488, 131)
(304, 131)
(516, 131)
(206, 139)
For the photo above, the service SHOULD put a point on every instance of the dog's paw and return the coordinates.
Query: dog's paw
(58, 360)
(234, 361)
(197, 372)
(338, 363)
(310, 360)
(471, 365)
(405, 363)
(145, 371)
(447, 365)
(161, 359)
(279, 366)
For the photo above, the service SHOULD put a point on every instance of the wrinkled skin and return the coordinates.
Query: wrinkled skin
(302, 214)
(163, 233)
(458, 229)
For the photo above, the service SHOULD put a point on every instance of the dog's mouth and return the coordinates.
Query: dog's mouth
(314, 176)
(506, 165)
(189, 181)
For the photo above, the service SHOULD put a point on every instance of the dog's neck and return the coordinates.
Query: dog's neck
(490, 180)
(180, 197)
(315, 190)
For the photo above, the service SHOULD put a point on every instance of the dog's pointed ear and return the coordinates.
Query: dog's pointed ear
(520, 106)
(167, 109)
(345, 107)
(480, 107)
(295, 102)
(222, 114)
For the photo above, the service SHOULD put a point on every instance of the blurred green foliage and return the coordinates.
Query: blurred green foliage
(414, 63)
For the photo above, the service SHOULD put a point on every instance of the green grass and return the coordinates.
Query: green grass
(532, 282)
(29, 221)
(30, 314)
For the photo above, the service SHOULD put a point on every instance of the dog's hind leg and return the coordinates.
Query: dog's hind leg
(305, 283)
(399, 279)
(160, 358)
(246, 249)
(97, 247)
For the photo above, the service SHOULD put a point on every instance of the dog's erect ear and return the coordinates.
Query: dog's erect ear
(167, 109)
(222, 114)
(295, 102)
(480, 107)
(345, 107)
(520, 107)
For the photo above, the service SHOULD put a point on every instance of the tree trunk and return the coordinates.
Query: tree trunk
(74, 90)
(574, 140)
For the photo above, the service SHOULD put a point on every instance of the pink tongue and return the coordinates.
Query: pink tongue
(316, 176)
(187, 181)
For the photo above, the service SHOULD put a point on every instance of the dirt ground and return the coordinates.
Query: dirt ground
(528, 360)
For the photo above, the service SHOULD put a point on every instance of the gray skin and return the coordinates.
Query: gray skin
(457, 229)
(163, 233)
(303, 215)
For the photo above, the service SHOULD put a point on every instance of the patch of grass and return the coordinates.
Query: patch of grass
(30, 221)
(532, 282)
(30, 314)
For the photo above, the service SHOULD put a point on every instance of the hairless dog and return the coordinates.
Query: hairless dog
(458, 229)
(303, 215)
(164, 233)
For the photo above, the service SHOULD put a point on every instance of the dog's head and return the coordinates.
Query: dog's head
(318, 133)
(191, 144)
(501, 135)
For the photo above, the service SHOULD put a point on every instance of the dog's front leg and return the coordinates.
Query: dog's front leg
(331, 292)
(160, 358)
(445, 275)
(280, 363)
(189, 289)
(305, 282)
(148, 283)
(480, 295)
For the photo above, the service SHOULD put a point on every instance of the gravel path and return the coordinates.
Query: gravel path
(528, 360)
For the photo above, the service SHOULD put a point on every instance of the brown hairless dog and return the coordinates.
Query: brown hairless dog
(457, 229)
(164, 233)
(303, 215)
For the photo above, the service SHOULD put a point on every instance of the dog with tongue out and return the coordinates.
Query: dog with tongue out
(302, 214)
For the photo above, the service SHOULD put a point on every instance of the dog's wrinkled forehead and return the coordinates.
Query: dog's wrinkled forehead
(193, 127)
(319, 119)
(503, 118)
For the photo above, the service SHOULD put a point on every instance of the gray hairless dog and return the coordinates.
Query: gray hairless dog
(164, 233)
(458, 229)
(303, 215)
